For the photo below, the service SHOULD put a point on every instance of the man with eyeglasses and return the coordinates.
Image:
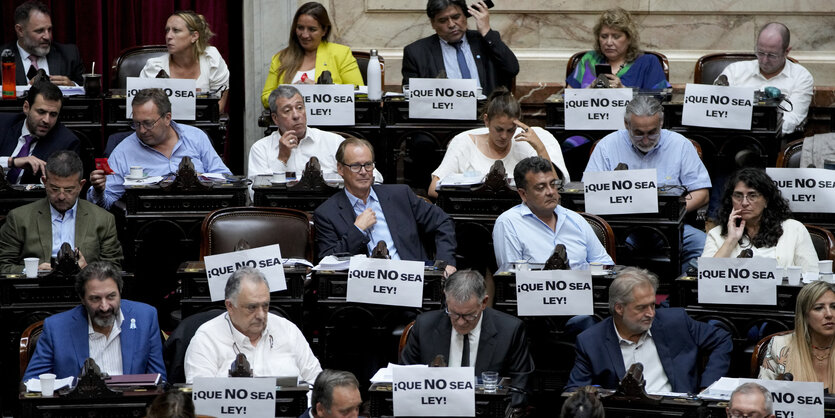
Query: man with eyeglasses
(750, 400)
(157, 146)
(39, 228)
(355, 220)
(644, 145)
(273, 345)
(291, 146)
(468, 333)
(530, 231)
(772, 69)
(27, 139)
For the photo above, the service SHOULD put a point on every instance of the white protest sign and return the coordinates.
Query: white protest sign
(596, 109)
(806, 189)
(554, 292)
(180, 91)
(234, 396)
(793, 399)
(328, 104)
(266, 259)
(718, 106)
(385, 282)
(620, 192)
(738, 281)
(437, 98)
(433, 391)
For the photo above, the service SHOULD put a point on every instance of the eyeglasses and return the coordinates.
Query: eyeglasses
(651, 137)
(739, 414)
(356, 167)
(769, 55)
(145, 124)
(457, 316)
(57, 190)
(752, 197)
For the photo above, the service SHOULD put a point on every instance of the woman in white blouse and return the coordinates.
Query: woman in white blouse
(503, 138)
(190, 56)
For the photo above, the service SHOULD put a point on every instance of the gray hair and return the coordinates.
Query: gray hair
(643, 106)
(620, 291)
(326, 382)
(465, 284)
(99, 270)
(64, 163)
(233, 284)
(753, 387)
(283, 91)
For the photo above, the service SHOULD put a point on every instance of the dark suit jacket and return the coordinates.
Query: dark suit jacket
(64, 345)
(58, 138)
(680, 340)
(502, 345)
(496, 63)
(63, 59)
(28, 233)
(408, 217)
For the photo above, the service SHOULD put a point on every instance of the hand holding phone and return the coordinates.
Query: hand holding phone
(602, 69)
(488, 3)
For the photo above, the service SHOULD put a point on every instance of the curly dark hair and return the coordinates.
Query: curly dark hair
(776, 211)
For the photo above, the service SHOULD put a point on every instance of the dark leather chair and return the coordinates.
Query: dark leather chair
(789, 157)
(28, 343)
(604, 233)
(131, 61)
(113, 140)
(823, 240)
(259, 226)
(709, 67)
(758, 355)
(362, 61)
(404, 338)
(575, 59)
(174, 349)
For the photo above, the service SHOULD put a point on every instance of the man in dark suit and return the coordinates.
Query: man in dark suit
(125, 337)
(668, 343)
(458, 52)
(39, 228)
(29, 138)
(355, 220)
(35, 49)
(468, 333)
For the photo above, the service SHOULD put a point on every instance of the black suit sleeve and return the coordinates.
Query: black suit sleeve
(329, 240)
(75, 66)
(409, 67)
(411, 352)
(521, 364)
(433, 220)
(501, 54)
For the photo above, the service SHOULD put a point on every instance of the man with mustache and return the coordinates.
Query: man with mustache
(35, 49)
(667, 342)
(27, 139)
(122, 336)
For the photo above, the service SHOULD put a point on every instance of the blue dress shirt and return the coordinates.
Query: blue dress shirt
(63, 228)
(380, 230)
(451, 60)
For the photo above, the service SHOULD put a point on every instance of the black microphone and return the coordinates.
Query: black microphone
(722, 80)
(788, 377)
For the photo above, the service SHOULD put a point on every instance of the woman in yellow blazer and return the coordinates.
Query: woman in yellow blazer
(309, 54)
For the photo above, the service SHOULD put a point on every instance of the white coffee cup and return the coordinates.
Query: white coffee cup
(279, 177)
(825, 266)
(794, 274)
(827, 277)
(596, 268)
(136, 171)
(47, 384)
(31, 266)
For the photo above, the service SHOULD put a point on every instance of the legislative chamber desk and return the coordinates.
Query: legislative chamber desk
(487, 405)
(267, 194)
(19, 195)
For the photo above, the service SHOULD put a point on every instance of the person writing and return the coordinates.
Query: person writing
(618, 44)
(755, 215)
(806, 353)
(309, 53)
(190, 56)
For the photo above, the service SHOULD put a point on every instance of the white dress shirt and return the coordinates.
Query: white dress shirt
(281, 351)
(107, 350)
(645, 352)
(456, 345)
(4, 160)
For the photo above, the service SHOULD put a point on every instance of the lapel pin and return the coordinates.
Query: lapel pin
(133, 323)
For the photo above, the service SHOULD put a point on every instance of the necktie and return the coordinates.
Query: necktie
(33, 69)
(14, 173)
(462, 61)
(465, 353)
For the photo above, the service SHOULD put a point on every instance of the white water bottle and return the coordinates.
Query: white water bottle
(375, 88)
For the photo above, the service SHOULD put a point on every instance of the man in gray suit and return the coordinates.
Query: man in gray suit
(39, 228)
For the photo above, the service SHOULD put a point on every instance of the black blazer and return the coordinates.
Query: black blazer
(407, 215)
(502, 345)
(63, 59)
(58, 138)
(496, 63)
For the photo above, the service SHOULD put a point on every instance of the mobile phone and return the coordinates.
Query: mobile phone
(488, 3)
(602, 69)
(738, 222)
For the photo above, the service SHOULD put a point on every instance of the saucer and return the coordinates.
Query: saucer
(129, 177)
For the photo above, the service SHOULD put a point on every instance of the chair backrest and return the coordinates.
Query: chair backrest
(28, 343)
(575, 59)
(131, 61)
(789, 157)
(404, 338)
(362, 61)
(758, 355)
(823, 240)
(259, 226)
(604, 233)
(113, 140)
(709, 66)
(174, 349)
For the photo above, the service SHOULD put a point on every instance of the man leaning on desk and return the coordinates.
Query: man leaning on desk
(122, 336)
(39, 228)
(157, 146)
